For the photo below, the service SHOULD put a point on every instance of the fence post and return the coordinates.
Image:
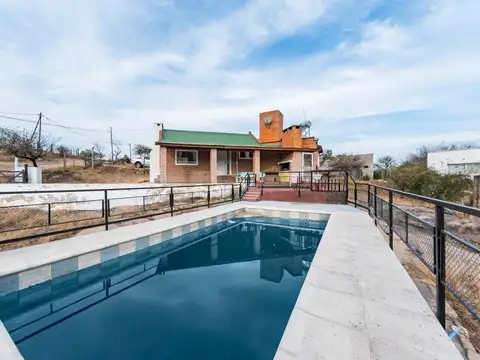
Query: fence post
(143, 203)
(25, 174)
(208, 195)
(105, 197)
(346, 185)
(375, 204)
(240, 191)
(440, 256)
(49, 214)
(233, 194)
(368, 200)
(311, 180)
(299, 183)
(171, 201)
(406, 228)
(390, 218)
(355, 194)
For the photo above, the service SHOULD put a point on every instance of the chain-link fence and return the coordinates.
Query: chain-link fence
(441, 234)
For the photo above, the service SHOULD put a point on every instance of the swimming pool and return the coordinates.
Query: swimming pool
(221, 292)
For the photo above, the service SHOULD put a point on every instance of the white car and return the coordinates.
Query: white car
(141, 162)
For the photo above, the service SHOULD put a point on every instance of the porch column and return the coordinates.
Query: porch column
(315, 160)
(256, 162)
(162, 176)
(213, 166)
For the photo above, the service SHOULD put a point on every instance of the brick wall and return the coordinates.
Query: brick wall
(309, 143)
(273, 131)
(188, 173)
(292, 137)
(307, 196)
(269, 160)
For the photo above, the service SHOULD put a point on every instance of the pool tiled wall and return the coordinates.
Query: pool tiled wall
(30, 277)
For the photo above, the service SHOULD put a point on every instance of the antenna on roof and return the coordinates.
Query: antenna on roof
(305, 125)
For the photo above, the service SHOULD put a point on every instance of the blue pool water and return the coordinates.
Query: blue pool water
(223, 292)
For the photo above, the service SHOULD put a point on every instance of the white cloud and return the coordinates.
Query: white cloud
(96, 64)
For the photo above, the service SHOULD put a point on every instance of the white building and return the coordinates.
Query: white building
(455, 161)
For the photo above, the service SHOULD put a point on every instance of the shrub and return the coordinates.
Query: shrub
(415, 178)
(366, 177)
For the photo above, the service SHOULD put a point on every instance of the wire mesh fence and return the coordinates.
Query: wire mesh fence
(462, 272)
(444, 236)
(52, 215)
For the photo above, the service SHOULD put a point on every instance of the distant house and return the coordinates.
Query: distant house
(218, 157)
(465, 161)
(358, 165)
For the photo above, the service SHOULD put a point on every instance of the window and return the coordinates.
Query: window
(186, 157)
(365, 166)
(307, 161)
(245, 155)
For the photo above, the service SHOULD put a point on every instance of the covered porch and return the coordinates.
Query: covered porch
(225, 165)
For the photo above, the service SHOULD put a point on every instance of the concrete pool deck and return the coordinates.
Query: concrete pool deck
(357, 301)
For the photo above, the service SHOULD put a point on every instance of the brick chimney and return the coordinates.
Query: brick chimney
(270, 126)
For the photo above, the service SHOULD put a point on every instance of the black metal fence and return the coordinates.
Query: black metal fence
(441, 234)
(314, 180)
(28, 215)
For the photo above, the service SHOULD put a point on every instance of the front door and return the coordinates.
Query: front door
(222, 162)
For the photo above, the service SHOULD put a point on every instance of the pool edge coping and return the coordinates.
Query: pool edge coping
(332, 230)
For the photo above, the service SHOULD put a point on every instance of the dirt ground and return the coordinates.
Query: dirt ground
(99, 175)
(44, 164)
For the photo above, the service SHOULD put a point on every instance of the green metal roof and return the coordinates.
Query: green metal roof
(210, 138)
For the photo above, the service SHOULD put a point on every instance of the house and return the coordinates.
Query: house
(464, 161)
(218, 157)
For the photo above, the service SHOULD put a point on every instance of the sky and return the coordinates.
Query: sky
(382, 76)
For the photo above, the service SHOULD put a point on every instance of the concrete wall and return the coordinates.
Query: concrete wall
(93, 199)
(455, 161)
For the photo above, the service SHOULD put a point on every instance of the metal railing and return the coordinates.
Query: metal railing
(313, 180)
(432, 229)
(53, 214)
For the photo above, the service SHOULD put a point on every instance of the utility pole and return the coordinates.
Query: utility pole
(130, 145)
(93, 157)
(39, 130)
(111, 141)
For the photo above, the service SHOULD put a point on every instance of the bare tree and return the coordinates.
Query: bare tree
(63, 150)
(142, 150)
(326, 156)
(117, 150)
(24, 145)
(98, 154)
(385, 164)
(345, 162)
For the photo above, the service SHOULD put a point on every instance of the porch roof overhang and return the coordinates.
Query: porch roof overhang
(233, 147)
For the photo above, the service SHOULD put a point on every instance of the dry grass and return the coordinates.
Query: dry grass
(99, 175)
(27, 221)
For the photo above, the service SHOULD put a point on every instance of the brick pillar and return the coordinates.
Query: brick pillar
(162, 177)
(213, 166)
(256, 162)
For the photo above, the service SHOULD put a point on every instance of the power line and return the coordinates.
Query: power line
(18, 119)
(71, 127)
(16, 113)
